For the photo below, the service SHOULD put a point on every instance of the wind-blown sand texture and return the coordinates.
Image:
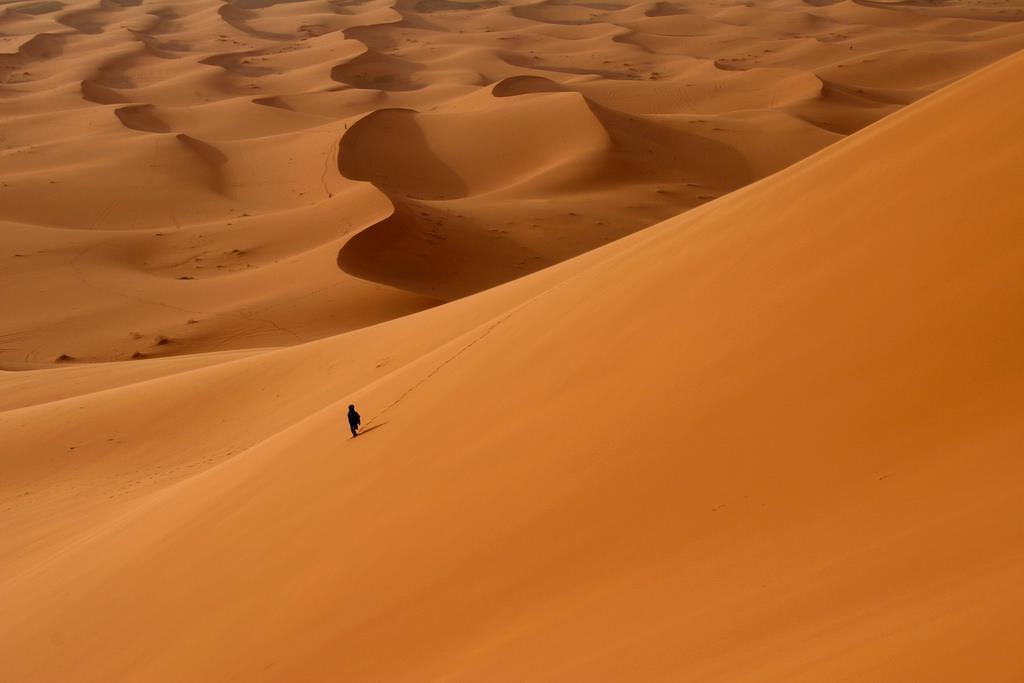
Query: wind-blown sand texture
(186, 177)
(774, 437)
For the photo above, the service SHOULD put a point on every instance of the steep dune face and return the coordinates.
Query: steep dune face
(775, 439)
(174, 162)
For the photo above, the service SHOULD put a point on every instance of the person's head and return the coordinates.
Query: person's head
(351, 407)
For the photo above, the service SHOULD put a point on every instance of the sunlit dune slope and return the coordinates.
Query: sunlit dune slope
(774, 439)
(188, 176)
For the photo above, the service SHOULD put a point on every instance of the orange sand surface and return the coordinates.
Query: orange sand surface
(687, 338)
(184, 177)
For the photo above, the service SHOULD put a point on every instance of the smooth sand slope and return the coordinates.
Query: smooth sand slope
(188, 176)
(774, 439)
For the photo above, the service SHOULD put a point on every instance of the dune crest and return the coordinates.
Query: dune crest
(582, 124)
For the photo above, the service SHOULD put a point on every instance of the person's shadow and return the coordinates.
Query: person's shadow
(370, 429)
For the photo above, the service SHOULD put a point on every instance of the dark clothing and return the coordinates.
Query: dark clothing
(353, 420)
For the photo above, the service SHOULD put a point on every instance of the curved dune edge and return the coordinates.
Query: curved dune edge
(738, 445)
(512, 184)
(444, 173)
(697, 100)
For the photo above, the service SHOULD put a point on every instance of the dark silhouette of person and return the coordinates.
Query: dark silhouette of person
(353, 420)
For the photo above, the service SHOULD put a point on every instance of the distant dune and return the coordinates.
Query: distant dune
(197, 171)
(686, 338)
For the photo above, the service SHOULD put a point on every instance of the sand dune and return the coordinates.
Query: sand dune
(686, 337)
(774, 438)
(171, 137)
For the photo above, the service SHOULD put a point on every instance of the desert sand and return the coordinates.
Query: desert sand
(686, 337)
(188, 177)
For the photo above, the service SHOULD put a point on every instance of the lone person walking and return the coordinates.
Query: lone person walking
(353, 420)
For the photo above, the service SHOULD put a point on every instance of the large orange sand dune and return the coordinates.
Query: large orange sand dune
(776, 438)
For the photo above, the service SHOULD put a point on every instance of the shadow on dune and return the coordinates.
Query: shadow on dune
(430, 6)
(367, 430)
(389, 149)
(44, 46)
(83, 21)
(525, 85)
(374, 70)
(142, 117)
(212, 161)
(238, 18)
(487, 196)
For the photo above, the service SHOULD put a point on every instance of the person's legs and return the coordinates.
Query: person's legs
(353, 428)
